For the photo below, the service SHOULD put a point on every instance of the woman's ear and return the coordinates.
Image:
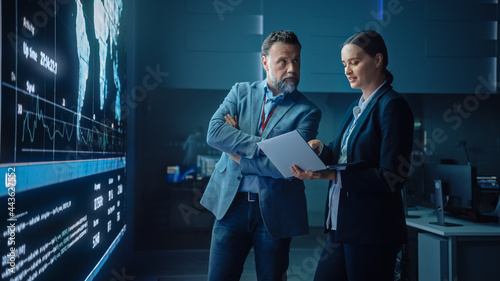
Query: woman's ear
(378, 60)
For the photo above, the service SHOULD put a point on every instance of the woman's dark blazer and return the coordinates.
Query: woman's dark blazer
(370, 205)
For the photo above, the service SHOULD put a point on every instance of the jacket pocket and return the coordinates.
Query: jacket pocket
(220, 166)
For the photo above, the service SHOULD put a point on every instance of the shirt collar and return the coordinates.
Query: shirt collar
(269, 95)
(362, 104)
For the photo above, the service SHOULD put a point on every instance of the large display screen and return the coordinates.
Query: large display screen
(62, 137)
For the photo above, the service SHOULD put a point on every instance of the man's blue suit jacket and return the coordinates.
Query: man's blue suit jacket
(282, 201)
(370, 206)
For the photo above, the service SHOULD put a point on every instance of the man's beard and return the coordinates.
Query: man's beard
(285, 86)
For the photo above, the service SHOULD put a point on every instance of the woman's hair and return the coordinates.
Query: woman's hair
(372, 43)
(283, 36)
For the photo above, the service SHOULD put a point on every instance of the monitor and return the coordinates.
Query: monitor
(457, 183)
(488, 191)
(438, 192)
(206, 165)
(62, 136)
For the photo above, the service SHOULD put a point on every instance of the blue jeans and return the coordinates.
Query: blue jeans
(235, 234)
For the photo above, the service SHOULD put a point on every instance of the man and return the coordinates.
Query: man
(253, 204)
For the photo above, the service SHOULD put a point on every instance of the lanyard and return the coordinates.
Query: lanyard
(264, 122)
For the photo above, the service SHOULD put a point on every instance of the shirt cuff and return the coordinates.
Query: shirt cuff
(321, 151)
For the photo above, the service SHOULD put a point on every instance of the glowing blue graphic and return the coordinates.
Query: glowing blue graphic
(114, 8)
(107, 25)
(381, 10)
(118, 110)
(101, 33)
(83, 47)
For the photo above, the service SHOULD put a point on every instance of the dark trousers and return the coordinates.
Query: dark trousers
(350, 262)
(235, 234)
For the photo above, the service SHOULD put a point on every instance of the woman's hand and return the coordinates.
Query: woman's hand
(232, 121)
(310, 175)
(316, 145)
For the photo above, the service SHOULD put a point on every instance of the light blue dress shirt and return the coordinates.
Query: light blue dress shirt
(250, 183)
(334, 194)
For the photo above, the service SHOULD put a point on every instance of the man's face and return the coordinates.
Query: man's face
(282, 66)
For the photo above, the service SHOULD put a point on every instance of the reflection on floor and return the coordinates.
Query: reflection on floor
(192, 264)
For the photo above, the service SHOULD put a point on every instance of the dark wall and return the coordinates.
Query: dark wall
(445, 121)
(454, 129)
(189, 53)
(450, 121)
(434, 46)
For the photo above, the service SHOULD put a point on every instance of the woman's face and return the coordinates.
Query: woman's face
(362, 70)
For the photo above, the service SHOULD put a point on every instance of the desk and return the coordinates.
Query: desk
(456, 253)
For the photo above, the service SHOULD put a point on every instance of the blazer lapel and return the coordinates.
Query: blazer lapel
(345, 124)
(283, 107)
(363, 118)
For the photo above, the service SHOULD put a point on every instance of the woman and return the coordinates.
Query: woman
(364, 213)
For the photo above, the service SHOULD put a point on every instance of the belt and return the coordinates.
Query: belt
(249, 196)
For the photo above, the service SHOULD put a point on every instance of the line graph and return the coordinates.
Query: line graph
(99, 138)
(59, 105)
(104, 140)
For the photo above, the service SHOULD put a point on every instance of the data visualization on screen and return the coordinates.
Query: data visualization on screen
(62, 137)
(62, 80)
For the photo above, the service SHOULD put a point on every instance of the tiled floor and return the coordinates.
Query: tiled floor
(192, 265)
(183, 264)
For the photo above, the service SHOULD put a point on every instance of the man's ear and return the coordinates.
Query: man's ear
(265, 63)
